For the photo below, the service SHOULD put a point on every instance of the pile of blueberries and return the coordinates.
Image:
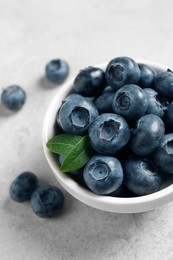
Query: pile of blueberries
(127, 111)
(46, 200)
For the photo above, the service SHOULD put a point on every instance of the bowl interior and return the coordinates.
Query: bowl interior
(75, 185)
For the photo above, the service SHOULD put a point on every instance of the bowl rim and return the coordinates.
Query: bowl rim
(103, 202)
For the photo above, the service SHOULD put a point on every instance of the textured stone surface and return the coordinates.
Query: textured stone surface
(83, 33)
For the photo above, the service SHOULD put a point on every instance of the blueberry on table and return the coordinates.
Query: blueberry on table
(76, 114)
(163, 156)
(169, 115)
(121, 71)
(46, 201)
(156, 105)
(109, 133)
(130, 101)
(23, 186)
(146, 135)
(147, 77)
(13, 97)
(164, 84)
(90, 82)
(57, 70)
(141, 175)
(103, 174)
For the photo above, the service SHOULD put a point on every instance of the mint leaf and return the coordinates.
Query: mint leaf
(62, 144)
(78, 156)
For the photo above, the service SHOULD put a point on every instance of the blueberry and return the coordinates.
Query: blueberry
(156, 104)
(13, 97)
(121, 71)
(103, 174)
(163, 156)
(103, 103)
(164, 84)
(169, 115)
(76, 114)
(23, 186)
(130, 101)
(141, 175)
(146, 135)
(90, 82)
(46, 201)
(109, 133)
(147, 77)
(57, 70)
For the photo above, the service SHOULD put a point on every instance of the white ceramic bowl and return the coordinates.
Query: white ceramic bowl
(106, 203)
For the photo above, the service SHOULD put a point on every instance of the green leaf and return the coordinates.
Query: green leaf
(78, 156)
(62, 144)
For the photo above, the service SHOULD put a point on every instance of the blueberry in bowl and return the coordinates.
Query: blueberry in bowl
(130, 101)
(147, 135)
(76, 114)
(103, 174)
(103, 102)
(163, 156)
(169, 115)
(121, 71)
(147, 76)
(109, 133)
(141, 175)
(141, 139)
(90, 81)
(163, 84)
(157, 105)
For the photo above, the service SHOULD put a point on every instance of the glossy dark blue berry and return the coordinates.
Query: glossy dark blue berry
(76, 114)
(146, 135)
(57, 70)
(147, 77)
(130, 101)
(13, 97)
(121, 71)
(156, 105)
(163, 156)
(109, 133)
(103, 174)
(47, 201)
(164, 84)
(89, 82)
(103, 103)
(141, 175)
(23, 186)
(169, 115)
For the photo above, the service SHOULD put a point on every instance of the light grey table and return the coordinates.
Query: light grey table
(83, 33)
